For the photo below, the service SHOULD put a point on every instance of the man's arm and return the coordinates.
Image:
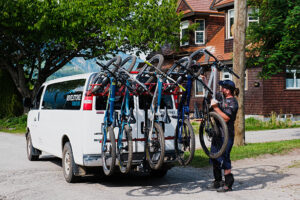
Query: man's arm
(219, 111)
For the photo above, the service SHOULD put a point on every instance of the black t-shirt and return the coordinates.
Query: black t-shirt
(230, 107)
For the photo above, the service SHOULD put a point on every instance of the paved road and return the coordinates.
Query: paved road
(22, 179)
(267, 136)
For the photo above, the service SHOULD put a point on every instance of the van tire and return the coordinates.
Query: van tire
(32, 153)
(68, 164)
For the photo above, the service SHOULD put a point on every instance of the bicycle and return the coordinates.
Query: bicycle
(156, 117)
(213, 129)
(184, 141)
(108, 143)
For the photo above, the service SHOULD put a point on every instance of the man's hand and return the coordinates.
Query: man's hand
(214, 103)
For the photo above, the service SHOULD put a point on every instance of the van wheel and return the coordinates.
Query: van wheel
(31, 151)
(68, 164)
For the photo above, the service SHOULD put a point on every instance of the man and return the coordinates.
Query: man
(226, 106)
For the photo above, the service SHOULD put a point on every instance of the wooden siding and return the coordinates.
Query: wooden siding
(279, 99)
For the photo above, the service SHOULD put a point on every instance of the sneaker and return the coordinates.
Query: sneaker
(224, 189)
(215, 185)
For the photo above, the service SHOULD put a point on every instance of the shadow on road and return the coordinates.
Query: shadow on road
(183, 180)
(256, 178)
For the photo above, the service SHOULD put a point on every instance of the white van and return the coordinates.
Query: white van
(66, 123)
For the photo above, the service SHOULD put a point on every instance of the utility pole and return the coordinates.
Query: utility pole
(239, 43)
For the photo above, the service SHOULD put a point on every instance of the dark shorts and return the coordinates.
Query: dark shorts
(223, 161)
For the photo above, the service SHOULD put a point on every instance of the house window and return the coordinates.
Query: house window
(199, 89)
(230, 23)
(246, 79)
(184, 33)
(292, 79)
(226, 75)
(200, 32)
(252, 16)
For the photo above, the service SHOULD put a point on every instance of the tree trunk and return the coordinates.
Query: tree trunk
(240, 18)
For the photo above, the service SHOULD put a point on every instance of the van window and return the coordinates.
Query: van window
(146, 100)
(65, 95)
(102, 100)
(37, 99)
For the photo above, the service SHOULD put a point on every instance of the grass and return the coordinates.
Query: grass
(249, 151)
(13, 124)
(252, 124)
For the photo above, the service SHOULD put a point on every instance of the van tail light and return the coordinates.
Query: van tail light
(88, 103)
(176, 100)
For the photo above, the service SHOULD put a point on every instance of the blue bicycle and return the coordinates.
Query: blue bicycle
(184, 134)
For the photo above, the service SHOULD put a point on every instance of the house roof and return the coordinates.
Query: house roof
(221, 3)
(202, 6)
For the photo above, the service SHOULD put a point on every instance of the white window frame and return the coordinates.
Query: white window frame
(183, 25)
(294, 71)
(228, 23)
(249, 12)
(224, 74)
(246, 79)
(196, 31)
(198, 95)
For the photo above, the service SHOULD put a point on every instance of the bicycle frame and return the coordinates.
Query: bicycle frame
(183, 108)
(124, 115)
(109, 112)
(212, 80)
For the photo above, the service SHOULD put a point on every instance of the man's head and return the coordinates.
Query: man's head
(227, 87)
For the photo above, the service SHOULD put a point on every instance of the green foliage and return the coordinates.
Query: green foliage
(275, 40)
(10, 101)
(14, 124)
(249, 151)
(252, 124)
(38, 38)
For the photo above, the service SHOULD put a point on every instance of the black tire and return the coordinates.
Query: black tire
(32, 153)
(156, 60)
(180, 66)
(97, 80)
(124, 155)
(185, 147)
(214, 130)
(196, 56)
(131, 65)
(68, 164)
(109, 155)
(155, 148)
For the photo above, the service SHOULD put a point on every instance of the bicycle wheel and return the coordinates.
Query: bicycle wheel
(195, 56)
(124, 154)
(104, 80)
(128, 65)
(155, 148)
(185, 143)
(180, 66)
(157, 61)
(109, 152)
(213, 131)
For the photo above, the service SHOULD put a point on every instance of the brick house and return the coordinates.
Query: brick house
(280, 94)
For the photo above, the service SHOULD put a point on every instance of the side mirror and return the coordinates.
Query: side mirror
(27, 102)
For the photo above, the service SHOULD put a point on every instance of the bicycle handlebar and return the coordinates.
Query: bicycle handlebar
(219, 64)
(165, 75)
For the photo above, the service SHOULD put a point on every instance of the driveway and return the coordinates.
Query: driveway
(268, 177)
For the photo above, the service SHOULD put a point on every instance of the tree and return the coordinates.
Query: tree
(37, 38)
(274, 42)
(239, 43)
